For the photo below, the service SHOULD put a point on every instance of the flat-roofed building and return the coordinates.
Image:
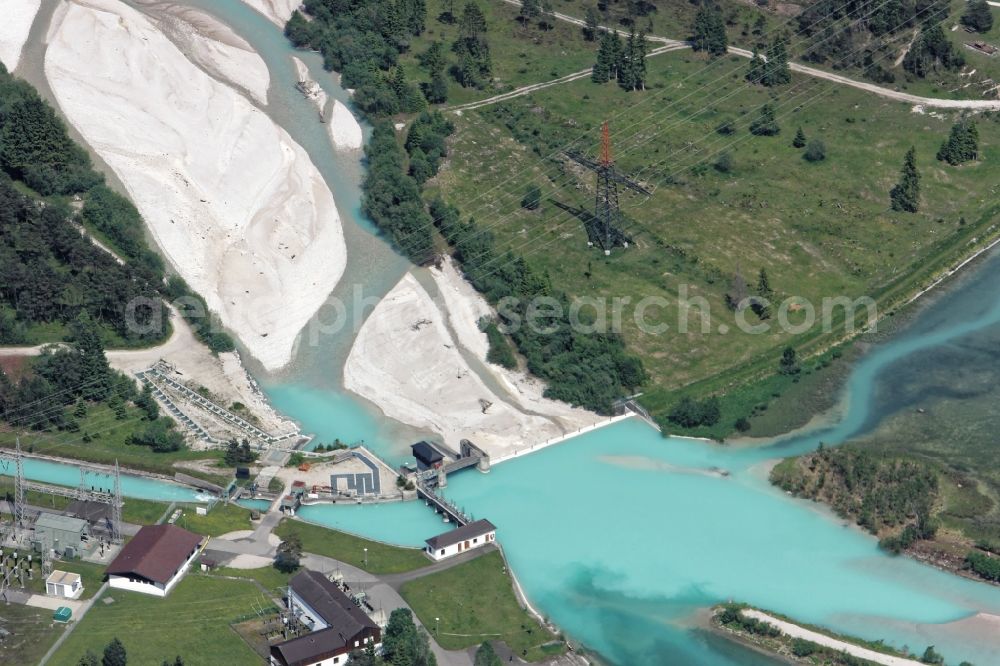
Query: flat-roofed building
(64, 584)
(63, 535)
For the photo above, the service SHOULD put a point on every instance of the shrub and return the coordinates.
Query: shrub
(532, 198)
(816, 151)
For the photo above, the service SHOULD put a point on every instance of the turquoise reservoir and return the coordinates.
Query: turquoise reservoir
(401, 523)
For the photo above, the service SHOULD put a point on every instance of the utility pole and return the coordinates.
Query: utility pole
(606, 209)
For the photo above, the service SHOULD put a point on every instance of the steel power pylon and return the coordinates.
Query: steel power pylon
(606, 208)
(19, 526)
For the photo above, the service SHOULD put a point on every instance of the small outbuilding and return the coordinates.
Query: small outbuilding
(155, 560)
(62, 534)
(63, 584)
(474, 535)
(427, 455)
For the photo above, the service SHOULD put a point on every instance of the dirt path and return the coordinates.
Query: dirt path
(795, 631)
(829, 76)
(575, 76)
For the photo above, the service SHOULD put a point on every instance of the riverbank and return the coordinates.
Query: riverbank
(234, 203)
(407, 361)
(276, 11)
(794, 643)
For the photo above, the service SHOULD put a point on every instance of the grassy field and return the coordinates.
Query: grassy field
(193, 622)
(32, 633)
(270, 578)
(520, 56)
(475, 602)
(109, 443)
(819, 229)
(381, 558)
(221, 519)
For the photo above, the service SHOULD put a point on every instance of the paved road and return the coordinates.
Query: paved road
(980, 104)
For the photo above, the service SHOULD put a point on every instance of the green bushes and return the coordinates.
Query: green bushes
(691, 413)
(425, 144)
(159, 435)
(362, 40)
(114, 216)
(500, 352)
(984, 565)
(392, 198)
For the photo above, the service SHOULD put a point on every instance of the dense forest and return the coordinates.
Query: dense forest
(889, 496)
(867, 31)
(57, 285)
(49, 271)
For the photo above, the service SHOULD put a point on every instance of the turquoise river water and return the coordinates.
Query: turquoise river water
(621, 536)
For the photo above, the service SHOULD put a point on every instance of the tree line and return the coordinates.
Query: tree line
(624, 62)
(860, 33)
(363, 40)
(49, 272)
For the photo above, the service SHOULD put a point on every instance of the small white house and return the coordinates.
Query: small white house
(474, 535)
(63, 584)
(154, 560)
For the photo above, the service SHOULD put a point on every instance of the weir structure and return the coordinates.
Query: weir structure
(111, 496)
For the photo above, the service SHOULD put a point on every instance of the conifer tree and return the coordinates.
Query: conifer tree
(434, 62)
(709, 30)
(94, 369)
(755, 71)
(905, 195)
(800, 139)
(639, 62)
(475, 66)
(765, 124)
(547, 19)
(617, 52)
(416, 18)
(592, 21)
(776, 70)
(605, 59)
(626, 76)
(962, 144)
(530, 9)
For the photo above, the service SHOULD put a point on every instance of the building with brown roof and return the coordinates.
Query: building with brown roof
(476, 534)
(154, 560)
(339, 626)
